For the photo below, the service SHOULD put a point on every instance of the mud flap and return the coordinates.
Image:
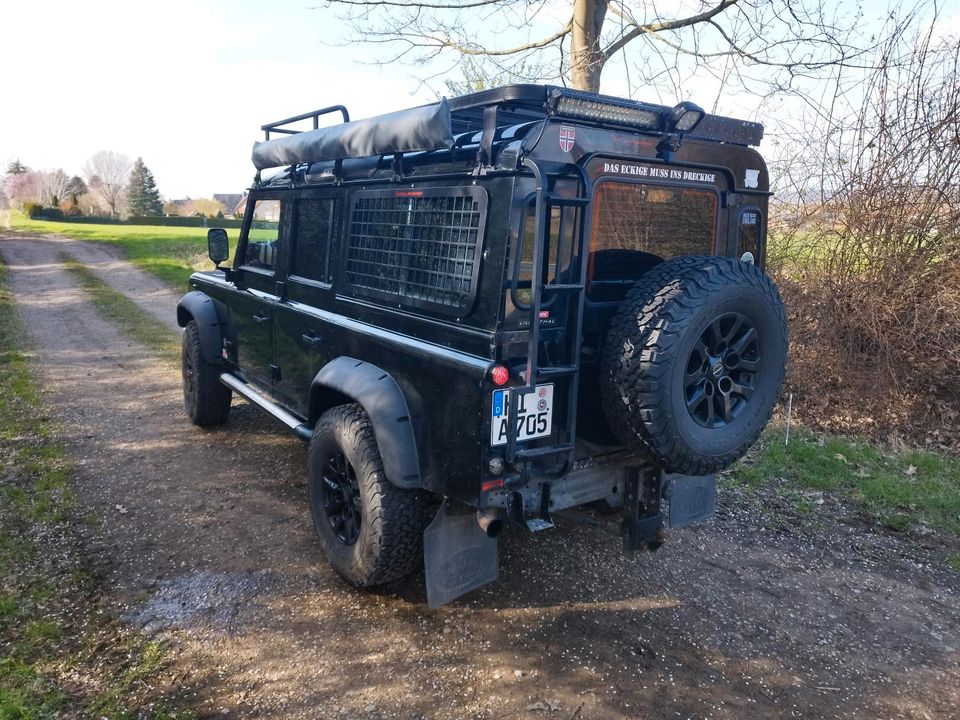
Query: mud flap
(457, 554)
(692, 499)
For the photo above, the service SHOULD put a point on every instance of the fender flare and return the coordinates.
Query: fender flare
(383, 400)
(200, 307)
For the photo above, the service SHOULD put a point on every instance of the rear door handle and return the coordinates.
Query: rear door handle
(311, 340)
(261, 319)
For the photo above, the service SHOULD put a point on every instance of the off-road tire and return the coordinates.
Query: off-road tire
(651, 341)
(205, 398)
(390, 541)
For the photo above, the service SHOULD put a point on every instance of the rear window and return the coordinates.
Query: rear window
(638, 225)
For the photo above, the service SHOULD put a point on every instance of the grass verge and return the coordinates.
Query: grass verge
(126, 314)
(169, 253)
(60, 656)
(902, 489)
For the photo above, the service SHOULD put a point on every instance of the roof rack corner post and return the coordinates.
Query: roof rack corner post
(398, 166)
(485, 152)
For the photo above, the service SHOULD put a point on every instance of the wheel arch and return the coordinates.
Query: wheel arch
(200, 307)
(345, 380)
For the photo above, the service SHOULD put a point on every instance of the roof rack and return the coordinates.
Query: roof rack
(522, 103)
(435, 125)
(278, 126)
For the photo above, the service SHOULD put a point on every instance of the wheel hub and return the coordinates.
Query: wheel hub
(340, 497)
(720, 373)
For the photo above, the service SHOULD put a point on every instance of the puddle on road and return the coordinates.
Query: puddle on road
(216, 600)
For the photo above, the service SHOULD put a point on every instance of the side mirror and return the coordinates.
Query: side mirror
(218, 248)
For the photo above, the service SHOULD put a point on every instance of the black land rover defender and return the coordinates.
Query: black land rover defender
(517, 301)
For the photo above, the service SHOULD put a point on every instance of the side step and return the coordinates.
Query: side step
(245, 390)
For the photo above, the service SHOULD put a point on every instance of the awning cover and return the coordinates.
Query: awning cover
(422, 128)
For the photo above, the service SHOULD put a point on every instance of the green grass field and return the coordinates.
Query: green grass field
(170, 253)
(902, 490)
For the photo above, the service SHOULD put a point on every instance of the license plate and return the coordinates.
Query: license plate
(534, 415)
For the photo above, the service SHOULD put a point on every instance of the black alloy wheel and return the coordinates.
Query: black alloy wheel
(340, 497)
(371, 531)
(720, 372)
(205, 398)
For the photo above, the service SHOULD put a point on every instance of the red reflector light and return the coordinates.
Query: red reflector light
(491, 485)
(499, 375)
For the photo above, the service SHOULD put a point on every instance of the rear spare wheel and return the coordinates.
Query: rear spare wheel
(694, 361)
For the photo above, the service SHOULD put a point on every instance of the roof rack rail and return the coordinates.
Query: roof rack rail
(277, 127)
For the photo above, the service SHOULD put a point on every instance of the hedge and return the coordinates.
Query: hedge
(38, 213)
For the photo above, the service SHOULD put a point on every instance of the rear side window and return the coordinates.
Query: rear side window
(311, 244)
(638, 225)
(751, 233)
(419, 248)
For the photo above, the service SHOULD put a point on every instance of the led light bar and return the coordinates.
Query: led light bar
(621, 113)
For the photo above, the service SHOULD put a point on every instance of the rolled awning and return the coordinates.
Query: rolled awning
(417, 129)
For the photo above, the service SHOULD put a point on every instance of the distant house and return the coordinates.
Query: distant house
(240, 207)
(179, 205)
(229, 201)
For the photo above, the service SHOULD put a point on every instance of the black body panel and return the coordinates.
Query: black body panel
(312, 339)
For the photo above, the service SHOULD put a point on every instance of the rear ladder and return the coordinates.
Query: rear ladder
(565, 371)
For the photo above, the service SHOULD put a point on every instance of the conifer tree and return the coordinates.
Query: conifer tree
(143, 198)
(15, 167)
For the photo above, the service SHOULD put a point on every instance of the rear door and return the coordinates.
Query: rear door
(301, 334)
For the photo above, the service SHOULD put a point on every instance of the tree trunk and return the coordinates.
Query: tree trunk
(586, 58)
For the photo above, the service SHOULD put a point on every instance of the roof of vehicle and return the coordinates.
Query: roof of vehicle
(454, 122)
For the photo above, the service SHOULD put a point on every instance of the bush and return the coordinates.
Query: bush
(49, 213)
(176, 221)
(32, 209)
(871, 269)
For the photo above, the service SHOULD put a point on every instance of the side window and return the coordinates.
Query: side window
(561, 228)
(751, 233)
(264, 234)
(421, 248)
(314, 225)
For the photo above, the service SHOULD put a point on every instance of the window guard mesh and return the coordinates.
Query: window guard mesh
(421, 247)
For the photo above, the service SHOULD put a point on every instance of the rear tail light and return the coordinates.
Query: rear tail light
(500, 375)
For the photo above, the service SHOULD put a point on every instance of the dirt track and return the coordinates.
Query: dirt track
(205, 540)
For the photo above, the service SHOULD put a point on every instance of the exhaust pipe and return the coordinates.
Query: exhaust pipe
(489, 522)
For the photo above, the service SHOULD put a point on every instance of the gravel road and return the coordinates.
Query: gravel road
(205, 542)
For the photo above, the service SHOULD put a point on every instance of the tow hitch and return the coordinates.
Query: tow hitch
(642, 520)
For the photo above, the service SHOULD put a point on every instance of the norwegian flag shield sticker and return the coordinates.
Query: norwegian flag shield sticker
(568, 136)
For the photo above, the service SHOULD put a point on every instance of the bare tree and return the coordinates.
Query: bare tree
(107, 173)
(783, 41)
(54, 186)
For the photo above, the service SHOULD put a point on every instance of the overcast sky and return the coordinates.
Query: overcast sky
(187, 84)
